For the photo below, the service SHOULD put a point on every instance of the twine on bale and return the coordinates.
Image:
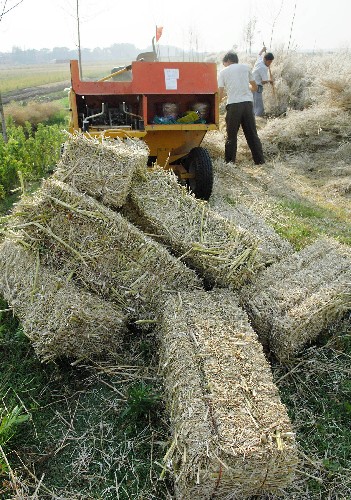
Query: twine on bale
(205, 241)
(100, 248)
(232, 437)
(291, 302)
(101, 168)
(59, 318)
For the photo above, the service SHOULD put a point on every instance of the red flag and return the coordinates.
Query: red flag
(158, 32)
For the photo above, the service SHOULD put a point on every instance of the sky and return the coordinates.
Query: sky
(202, 25)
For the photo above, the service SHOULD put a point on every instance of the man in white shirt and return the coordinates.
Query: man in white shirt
(237, 82)
(262, 75)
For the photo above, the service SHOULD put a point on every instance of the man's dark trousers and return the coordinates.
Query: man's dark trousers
(241, 113)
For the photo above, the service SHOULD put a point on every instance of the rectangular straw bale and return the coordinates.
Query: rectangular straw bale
(59, 318)
(101, 248)
(244, 203)
(101, 168)
(220, 252)
(291, 302)
(232, 437)
(271, 247)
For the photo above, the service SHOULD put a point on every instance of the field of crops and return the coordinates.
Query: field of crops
(20, 77)
(89, 429)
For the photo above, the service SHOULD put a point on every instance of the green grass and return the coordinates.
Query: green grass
(301, 223)
(7, 203)
(317, 392)
(92, 435)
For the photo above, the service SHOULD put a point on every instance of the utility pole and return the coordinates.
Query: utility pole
(3, 121)
(79, 51)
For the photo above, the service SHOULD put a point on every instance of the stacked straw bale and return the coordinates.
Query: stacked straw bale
(271, 246)
(104, 251)
(232, 437)
(59, 318)
(102, 169)
(291, 302)
(220, 252)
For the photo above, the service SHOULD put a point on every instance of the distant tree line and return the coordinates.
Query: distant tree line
(116, 52)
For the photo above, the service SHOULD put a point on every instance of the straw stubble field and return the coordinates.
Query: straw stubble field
(99, 428)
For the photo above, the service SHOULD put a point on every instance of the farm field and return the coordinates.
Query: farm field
(74, 429)
(21, 77)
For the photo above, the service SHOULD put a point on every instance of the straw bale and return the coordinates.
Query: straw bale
(101, 168)
(58, 317)
(232, 437)
(291, 302)
(271, 246)
(104, 251)
(220, 252)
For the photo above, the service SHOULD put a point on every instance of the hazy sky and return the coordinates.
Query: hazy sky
(203, 25)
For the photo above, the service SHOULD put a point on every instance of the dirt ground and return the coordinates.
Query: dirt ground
(33, 92)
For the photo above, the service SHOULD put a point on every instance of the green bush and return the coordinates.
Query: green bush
(33, 152)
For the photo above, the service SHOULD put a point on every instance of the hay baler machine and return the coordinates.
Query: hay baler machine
(169, 105)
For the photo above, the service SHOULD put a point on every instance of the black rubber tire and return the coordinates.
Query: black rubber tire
(198, 163)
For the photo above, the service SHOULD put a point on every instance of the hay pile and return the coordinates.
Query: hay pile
(59, 318)
(100, 248)
(102, 169)
(338, 91)
(291, 302)
(308, 130)
(214, 141)
(231, 434)
(203, 239)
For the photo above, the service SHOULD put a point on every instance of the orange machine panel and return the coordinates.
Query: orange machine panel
(154, 78)
(174, 78)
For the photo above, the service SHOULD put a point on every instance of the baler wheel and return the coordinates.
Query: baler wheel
(199, 164)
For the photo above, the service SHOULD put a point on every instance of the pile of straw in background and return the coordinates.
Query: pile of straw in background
(214, 141)
(232, 437)
(101, 168)
(291, 302)
(308, 130)
(59, 318)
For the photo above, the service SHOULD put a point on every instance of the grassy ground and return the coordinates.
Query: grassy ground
(90, 431)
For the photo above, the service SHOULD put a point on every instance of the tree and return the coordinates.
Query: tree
(5, 10)
(249, 33)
